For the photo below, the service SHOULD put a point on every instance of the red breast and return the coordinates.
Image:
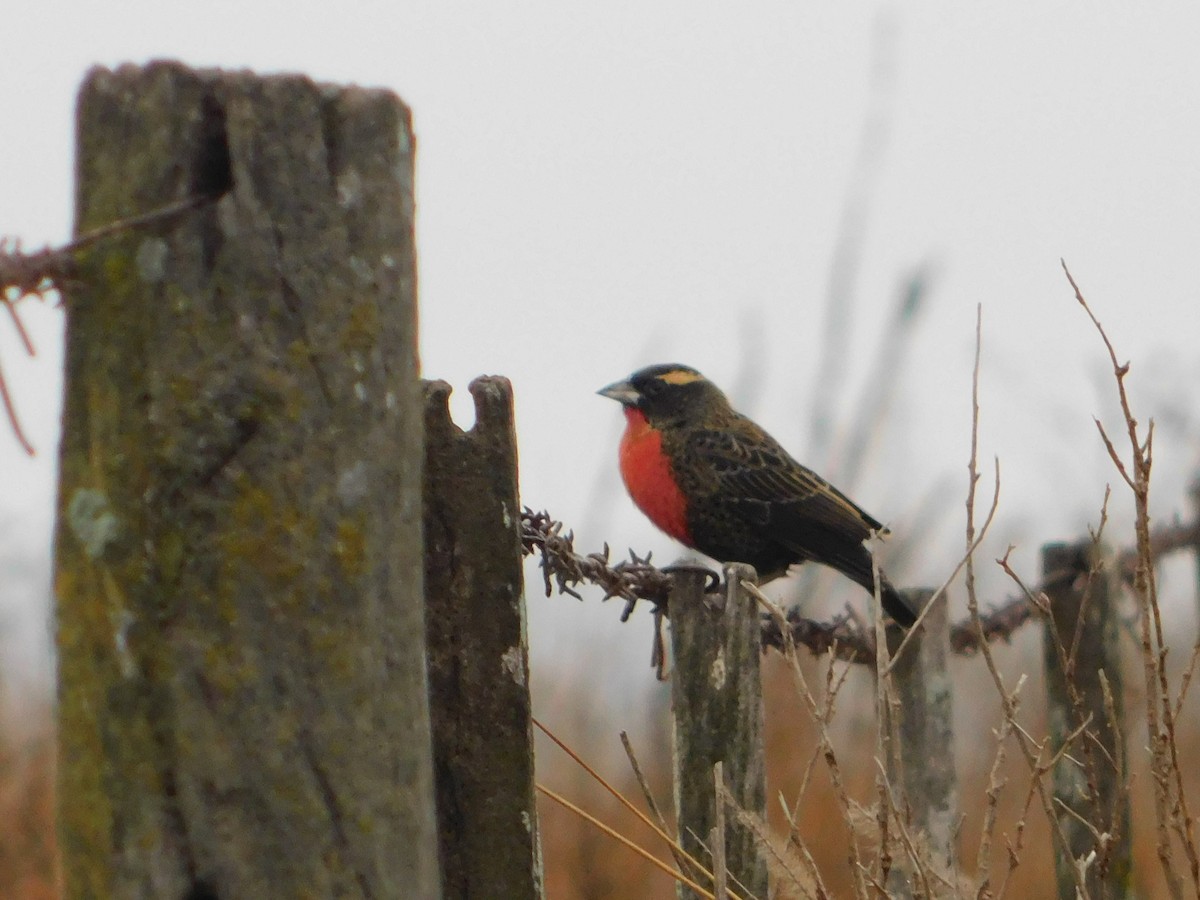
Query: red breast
(649, 478)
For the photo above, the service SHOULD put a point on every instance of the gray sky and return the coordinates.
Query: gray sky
(605, 185)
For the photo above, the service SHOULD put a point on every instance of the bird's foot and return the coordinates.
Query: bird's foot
(712, 583)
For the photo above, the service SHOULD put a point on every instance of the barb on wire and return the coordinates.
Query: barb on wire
(31, 274)
(844, 635)
(25, 275)
(999, 623)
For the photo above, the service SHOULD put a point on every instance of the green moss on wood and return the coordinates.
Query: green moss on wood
(349, 548)
(361, 330)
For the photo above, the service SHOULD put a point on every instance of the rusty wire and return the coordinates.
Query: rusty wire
(39, 273)
(634, 579)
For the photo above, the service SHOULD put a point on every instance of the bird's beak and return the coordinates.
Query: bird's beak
(621, 391)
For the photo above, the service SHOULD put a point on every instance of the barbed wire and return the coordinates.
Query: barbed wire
(39, 273)
(637, 579)
(563, 568)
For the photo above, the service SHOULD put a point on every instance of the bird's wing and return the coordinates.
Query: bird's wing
(759, 482)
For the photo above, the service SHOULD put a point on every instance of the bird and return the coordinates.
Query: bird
(717, 482)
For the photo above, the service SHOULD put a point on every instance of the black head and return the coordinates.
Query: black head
(668, 393)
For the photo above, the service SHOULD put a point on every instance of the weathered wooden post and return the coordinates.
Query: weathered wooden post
(1194, 497)
(926, 696)
(716, 700)
(242, 696)
(1081, 653)
(478, 650)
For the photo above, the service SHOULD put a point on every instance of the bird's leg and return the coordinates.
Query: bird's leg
(658, 656)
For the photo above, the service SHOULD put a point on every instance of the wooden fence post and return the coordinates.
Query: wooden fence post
(1194, 497)
(926, 696)
(716, 699)
(478, 650)
(1092, 778)
(242, 698)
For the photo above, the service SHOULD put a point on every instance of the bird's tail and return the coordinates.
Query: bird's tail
(895, 603)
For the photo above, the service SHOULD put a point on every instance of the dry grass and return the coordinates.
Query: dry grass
(580, 863)
(28, 850)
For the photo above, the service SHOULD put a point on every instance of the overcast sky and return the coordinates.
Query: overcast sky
(606, 185)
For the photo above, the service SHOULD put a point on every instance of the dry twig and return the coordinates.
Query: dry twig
(1170, 799)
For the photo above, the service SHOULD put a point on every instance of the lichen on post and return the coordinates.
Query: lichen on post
(242, 695)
